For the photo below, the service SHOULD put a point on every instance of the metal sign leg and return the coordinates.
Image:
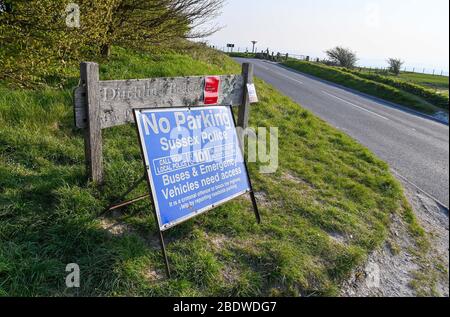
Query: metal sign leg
(255, 207)
(164, 253)
(119, 203)
(252, 192)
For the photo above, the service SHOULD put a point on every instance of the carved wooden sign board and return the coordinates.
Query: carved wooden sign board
(104, 104)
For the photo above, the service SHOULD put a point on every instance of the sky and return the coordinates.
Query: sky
(417, 31)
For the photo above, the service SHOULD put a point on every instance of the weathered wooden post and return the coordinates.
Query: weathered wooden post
(93, 132)
(244, 108)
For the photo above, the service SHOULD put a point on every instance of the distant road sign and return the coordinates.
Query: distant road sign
(193, 160)
(230, 45)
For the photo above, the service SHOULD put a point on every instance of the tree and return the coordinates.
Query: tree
(36, 41)
(395, 65)
(342, 56)
(138, 23)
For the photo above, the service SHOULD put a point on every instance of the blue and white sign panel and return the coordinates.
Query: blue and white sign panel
(193, 159)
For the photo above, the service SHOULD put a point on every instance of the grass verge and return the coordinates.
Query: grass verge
(435, 82)
(400, 92)
(324, 210)
(432, 96)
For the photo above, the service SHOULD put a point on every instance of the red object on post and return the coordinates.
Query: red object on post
(211, 92)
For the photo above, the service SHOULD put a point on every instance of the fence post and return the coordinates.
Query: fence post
(93, 133)
(244, 108)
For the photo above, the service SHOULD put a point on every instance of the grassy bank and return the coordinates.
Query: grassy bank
(325, 209)
(438, 83)
(435, 82)
(403, 83)
(397, 91)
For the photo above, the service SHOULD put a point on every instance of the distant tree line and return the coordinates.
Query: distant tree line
(36, 39)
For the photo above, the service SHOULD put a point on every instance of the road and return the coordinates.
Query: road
(416, 148)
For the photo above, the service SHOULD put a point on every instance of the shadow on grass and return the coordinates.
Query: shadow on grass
(48, 221)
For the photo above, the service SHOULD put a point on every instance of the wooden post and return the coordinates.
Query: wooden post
(93, 132)
(244, 108)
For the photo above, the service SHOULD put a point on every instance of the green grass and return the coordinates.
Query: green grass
(401, 92)
(327, 185)
(432, 96)
(435, 82)
(432, 81)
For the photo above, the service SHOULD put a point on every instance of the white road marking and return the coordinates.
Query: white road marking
(419, 189)
(288, 77)
(279, 74)
(356, 106)
(264, 67)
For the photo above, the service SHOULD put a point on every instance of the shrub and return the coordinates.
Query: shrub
(36, 42)
(395, 65)
(342, 56)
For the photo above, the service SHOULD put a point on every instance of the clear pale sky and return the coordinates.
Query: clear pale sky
(415, 30)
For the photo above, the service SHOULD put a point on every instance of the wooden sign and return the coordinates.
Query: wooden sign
(104, 104)
(118, 98)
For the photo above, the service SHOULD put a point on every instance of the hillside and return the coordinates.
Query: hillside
(324, 211)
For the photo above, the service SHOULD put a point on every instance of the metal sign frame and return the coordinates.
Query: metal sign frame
(94, 113)
(151, 187)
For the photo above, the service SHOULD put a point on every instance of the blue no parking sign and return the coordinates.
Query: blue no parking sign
(193, 160)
